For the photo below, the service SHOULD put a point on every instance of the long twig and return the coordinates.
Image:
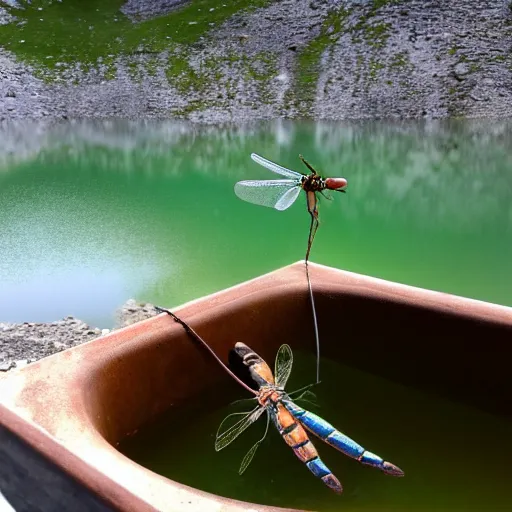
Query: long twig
(315, 324)
(198, 338)
(312, 233)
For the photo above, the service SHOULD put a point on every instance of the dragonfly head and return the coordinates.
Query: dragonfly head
(249, 366)
(239, 367)
(338, 184)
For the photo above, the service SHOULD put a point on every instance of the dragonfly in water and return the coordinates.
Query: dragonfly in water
(281, 194)
(291, 420)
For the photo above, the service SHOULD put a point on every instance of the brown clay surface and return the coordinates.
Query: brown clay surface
(90, 397)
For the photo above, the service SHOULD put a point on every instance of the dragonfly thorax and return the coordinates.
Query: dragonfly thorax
(269, 395)
(312, 183)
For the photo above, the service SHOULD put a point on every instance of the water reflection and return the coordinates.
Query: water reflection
(147, 209)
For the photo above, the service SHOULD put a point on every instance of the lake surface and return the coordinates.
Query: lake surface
(455, 458)
(92, 214)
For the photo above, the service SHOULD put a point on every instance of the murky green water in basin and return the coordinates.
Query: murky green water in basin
(455, 458)
(93, 214)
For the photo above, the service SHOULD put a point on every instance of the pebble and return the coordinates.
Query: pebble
(461, 70)
(6, 366)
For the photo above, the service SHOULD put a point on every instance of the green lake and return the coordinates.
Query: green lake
(455, 458)
(92, 214)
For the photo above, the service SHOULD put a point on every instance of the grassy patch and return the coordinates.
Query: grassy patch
(49, 32)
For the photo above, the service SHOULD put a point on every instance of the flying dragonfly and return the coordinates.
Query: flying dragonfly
(292, 421)
(281, 194)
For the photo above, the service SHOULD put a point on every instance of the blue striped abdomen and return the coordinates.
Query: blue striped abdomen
(296, 437)
(326, 432)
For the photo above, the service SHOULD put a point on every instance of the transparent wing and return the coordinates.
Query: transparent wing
(223, 438)
(300, 390)
(243, 401)
(271, 193)
(250, 454)
(307, 396)
(278, 169)
(283, 366)
(287, 199)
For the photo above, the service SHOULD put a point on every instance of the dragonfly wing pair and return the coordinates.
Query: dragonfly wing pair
(278, 194)
(262, 375)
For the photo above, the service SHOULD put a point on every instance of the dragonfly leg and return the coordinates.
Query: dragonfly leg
(307, 164)
(326, 195)
(313, 212)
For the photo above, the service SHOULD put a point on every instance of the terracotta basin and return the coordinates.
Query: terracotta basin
(76, 406)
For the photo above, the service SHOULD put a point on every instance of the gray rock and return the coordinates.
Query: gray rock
(138, 10)
(6, 366)
(461, 70)
(132, 312)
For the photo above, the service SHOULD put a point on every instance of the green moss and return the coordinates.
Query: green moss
(184, 77)
(205, 75)
(374, 67)
(261, 67)
(377, 35)
(453, 50)
(377, 4)
(110, 68)
(133, 71)
(308, 63)
(152, 66)
(399, 61)
(366, 30)
(193, 106)
(74, 31)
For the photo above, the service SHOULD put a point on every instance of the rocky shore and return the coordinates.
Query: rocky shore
(21, 344)
(261, 59)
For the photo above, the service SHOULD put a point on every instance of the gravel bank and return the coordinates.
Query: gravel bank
(21, 344)
(341, 59)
